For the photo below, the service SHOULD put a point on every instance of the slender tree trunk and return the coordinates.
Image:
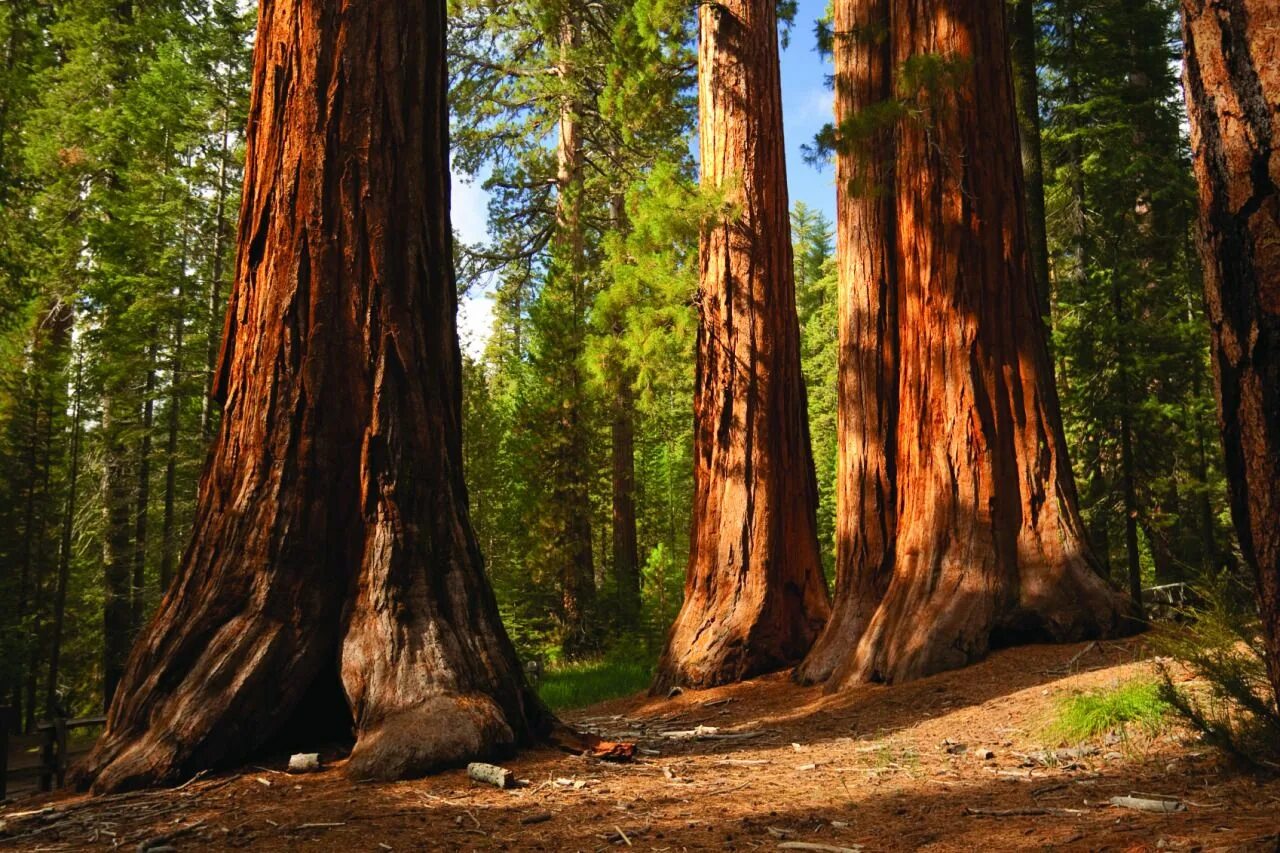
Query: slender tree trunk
(215, 298)
(64, 548)
(143, 507)
(32, 387)
(1128, 472)
(1232, 79)
(866, 496)
(168, 545)
(332, 547)
(988, 547)
(626, 556)
(571, 491)
(755, 597)
(117, 556)
(626, 548)
(1023, 36)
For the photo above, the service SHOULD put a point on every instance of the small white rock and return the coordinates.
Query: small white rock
(304, 762)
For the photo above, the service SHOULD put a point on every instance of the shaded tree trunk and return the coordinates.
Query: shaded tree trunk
(1023, 36)
(64, 548)
(168, 545)
(117, 554)
(214, 296)
(866, 497)
(988, 547)
(142, 510)
(1232, 79)
(755, 597)
(1128, 467)
(626, 555)
(332, 549)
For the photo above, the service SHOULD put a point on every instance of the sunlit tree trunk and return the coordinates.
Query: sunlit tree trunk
(986, 547)
(1232, 80)
(866, 496)
(333, 563)
(755, 598)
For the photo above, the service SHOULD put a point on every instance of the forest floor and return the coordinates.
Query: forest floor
(957, 762)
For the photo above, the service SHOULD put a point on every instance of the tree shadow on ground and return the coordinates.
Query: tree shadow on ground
(781, 711)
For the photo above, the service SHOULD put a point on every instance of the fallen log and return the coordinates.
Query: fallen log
(1144, 805)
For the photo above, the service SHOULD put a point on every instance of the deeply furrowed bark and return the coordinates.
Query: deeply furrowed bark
(866, 498)
(986, 546)
(332, 534)
(1232, 79)
(754, 594)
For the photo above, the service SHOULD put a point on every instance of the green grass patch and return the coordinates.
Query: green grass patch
(1085, 716)
(577, 685)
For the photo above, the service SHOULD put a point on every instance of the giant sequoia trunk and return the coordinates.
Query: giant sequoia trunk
(866, 497)
(957, 499)
(332, 549)
(1233, 96)
(754, 594)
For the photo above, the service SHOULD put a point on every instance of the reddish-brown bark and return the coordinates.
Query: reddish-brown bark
(332, 550)
(754, 594)
(1232, 78)
(866, 497)
(981, 543)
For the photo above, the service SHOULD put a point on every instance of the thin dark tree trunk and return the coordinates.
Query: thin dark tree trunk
(626, 548)
(117, 556)
(1128, 468)
(755, 597)
(143, 507)
(32, 386)
(626, 557)
(1233, 97)
(168, 545)
(64, 548)
(215, 297)
(333, 556)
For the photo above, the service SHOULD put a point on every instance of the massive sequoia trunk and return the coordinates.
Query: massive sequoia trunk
(979, 541)
(754, 594)
(866, 497)
(1233, 96)
(332, 548)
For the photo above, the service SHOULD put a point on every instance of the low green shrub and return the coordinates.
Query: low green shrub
(1084, 716)
(1229, 699)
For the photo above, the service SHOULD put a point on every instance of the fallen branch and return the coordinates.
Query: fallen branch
(1144, 805)
(1031, 812)
(1071, 663)
(809, 845)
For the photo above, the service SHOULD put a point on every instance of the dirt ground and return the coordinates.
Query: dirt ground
(952, 763)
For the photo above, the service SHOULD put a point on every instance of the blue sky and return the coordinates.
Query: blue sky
(806, 107)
